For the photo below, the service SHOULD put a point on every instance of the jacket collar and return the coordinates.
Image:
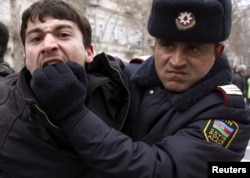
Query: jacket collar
(23, 86)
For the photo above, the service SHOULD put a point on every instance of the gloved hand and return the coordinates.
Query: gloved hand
(61, 91)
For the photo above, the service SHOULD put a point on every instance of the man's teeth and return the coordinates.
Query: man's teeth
(51, 63)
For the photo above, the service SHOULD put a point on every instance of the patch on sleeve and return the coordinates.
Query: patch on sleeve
(221, 132)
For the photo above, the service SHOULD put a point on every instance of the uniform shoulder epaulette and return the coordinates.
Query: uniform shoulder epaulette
(233, 96)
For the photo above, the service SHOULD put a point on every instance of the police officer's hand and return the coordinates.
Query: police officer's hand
(61, 90)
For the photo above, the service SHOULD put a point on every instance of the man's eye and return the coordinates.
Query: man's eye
(63, 35)
(194, 50)
(36, 39)
(167, 44)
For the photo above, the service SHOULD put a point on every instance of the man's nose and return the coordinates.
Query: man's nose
(178, 58)
(49, 43)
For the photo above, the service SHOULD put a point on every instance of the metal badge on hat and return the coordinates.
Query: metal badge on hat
(185, 20)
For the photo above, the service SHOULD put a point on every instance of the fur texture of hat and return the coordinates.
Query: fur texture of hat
(201, 21)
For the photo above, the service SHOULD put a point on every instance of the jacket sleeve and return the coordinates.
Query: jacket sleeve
(185, 153)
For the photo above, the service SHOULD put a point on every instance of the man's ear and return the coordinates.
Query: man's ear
(90, 54)
(219, 50)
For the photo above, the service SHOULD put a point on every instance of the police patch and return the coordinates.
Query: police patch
(221, 132)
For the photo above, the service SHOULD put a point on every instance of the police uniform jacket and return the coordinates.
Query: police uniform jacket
(32, 146)
(171, 135)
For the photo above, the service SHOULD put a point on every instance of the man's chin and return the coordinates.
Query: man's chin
(177, 88)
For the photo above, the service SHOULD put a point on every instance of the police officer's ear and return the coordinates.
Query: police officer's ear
(219, 49)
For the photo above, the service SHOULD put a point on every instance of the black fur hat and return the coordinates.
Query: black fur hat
(200, 21)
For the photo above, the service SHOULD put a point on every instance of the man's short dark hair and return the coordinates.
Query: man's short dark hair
(58, 10)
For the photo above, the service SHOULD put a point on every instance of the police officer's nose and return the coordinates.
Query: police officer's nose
(178, 57)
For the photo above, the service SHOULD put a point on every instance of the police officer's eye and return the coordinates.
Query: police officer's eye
(193, 48)
(167, 45)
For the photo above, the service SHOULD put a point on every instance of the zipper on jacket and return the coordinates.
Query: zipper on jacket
(46, 117)
(120, 77)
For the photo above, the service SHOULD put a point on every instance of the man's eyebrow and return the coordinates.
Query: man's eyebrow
(58, 27)
(35, 30)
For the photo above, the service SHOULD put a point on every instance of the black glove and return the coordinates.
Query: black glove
(61, 91)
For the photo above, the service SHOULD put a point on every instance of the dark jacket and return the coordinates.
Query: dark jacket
(172, 135)
(5, 69)
(32, 146)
